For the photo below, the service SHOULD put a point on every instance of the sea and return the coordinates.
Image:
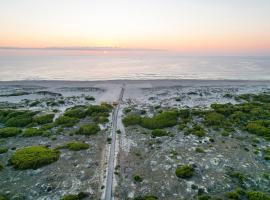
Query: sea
(80, 65)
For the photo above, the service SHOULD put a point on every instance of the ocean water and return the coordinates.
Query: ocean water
(83, 65)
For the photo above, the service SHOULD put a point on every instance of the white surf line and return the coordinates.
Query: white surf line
(110, 170)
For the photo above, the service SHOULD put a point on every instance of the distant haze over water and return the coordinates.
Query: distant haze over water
(141, 65)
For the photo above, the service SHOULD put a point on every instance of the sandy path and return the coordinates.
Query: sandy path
(110, 170)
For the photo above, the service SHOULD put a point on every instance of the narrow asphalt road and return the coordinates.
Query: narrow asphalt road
(110, 170)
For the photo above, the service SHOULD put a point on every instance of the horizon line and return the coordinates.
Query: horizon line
(74, 48)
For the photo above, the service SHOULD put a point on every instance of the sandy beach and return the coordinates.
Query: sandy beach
(136, 152)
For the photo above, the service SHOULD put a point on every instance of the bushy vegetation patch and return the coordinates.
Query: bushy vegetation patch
(3, 150)
(75, 146)
(159, 121)
(185, 171)
(79, 196)
(1, 168)
(259, 127)
(66, 121)
(33, 157)
(76, 112)
(44, 119)
(255, 195)
(159, 133)
(214, 119)
(16, 118)
(147, 197)
(88, 129)
(31, 132)
(196, 130)
(89, 98)
(131, 120)
(137, 178)
(9, 132)
(241, 193)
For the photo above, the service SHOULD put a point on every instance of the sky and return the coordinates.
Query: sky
(179, 25)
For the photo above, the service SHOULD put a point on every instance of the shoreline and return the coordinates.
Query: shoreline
(132, 81)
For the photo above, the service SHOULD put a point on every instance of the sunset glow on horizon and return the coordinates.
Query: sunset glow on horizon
(209, 25)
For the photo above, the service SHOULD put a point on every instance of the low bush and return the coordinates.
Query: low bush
(159, 133)
(1, 168)
(18, 118)
(33, 157)
(88, 129)
(66, 121)
(258, 128)
(199, 150)
(254, 195)
(89, 98)
(233, 195)
(3, 150)
(185, 171)
(214, 119)
(131, 120)
(76, 112)
(196, 130)
(9, 132)
(31, 132)
(71, 197)
(147, 197)
(76, 146)
(137, 178)
(162, 120)
(44, 119)
(79, 196)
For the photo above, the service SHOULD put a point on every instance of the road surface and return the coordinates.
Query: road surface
(110, 170)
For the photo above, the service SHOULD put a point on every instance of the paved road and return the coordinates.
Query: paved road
(110, 170)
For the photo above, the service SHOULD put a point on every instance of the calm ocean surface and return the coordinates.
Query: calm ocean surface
(72, 65)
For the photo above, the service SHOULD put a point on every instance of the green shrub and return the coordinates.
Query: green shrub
(44, 119)
(225, 133)
(19, 121)
(159, 121)
(66, 121)
(199, 150)
(148, 197)
(254, 195)
(33, 157)
(131, 120)
(88, 129)
(31, 132)
(196, 130)
(79, 196)
(104, 109)
(77, 146)
(71, 197)
(256, 127)
(76, 112)
(18, 118)
(184, 113)
(233, 195)
(185, 171)
(137, 178)
(214, 119)
(159, 133)
(9, 132)
(204, 197)
(89, 98)
(1, 168)
(3, 150)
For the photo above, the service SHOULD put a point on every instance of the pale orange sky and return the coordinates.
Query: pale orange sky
(208, 25)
